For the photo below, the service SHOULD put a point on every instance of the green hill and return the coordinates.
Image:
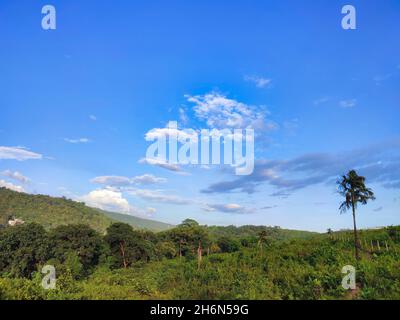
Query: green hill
(137, 222)
(275, 233)
(51, 212)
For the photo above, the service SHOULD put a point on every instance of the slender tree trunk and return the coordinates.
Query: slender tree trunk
(121, 246)
(356, 243)
(199, 256)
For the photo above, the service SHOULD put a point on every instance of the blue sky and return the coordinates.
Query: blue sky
(77, 102)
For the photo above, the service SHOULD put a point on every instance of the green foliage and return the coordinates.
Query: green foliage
(128, 246)
(22, 248)
(52, 212)
(166, 249)
(251, 232)
(292, 269)
(226, 244)
(132, 264)
(48, 211)
(187, 237)
(77, 241)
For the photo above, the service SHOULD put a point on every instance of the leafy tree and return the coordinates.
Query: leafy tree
(394, 233)
(189, 236)
(23, 248)
(227, 244)
(166, 249)
(73, 265)
(81, 240)
(189, 223)
(127, 245)
(214, 248)
(352, 188)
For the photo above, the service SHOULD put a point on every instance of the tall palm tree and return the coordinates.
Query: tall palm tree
(352, 187)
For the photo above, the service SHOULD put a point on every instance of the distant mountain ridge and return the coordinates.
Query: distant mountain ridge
(275, 233)
(51, 212)
(139, 223)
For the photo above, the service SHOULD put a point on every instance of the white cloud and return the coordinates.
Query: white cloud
(92, 117)
(107, 200)
(11, 186)
(15, 175)
(18, 153)
(260, 82)
(348, 103)
(184, 119)
(120, 181)
(161, 163)
(150, 211)
(111, 200)
(148, 179)
(321, 101)
(171, 131)
(228, 208)
(221, 112)
(159, 196)
(76, 141)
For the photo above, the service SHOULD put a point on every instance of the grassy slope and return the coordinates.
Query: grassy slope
(52, 212)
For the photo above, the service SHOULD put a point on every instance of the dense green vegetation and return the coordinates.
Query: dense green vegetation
(98, 258)
(244, 232)
(52, 212)
(131, 264)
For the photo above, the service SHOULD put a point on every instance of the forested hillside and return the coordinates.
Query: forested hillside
(138, 223)
(52, 212)
(187, 263)
(98, 258)
(275, 233)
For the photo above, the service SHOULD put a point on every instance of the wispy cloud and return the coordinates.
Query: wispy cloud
(322, 100)
(183, 117)
(15, 176)
(18, 153)
(351, 103)
(92, 117)
(120, 181)
(260, 82)
(269, 207)
(378, 79)
(162, 164)
(380, 163)
(159, 196)
(232, 208)
(77, 141)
